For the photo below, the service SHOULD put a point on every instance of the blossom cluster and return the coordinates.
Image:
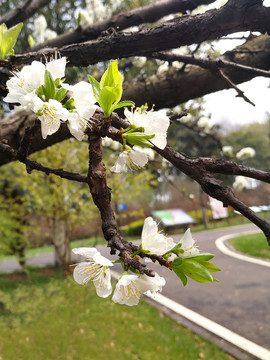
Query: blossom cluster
(39, 87)
(131, 287)
(147, 129)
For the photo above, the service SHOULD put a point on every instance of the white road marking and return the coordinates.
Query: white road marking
(225, 250)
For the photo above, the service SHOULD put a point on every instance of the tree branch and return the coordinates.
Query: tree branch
(33, 165)
(101, 195)
(121, 21)
(186, 30)
(23, 12)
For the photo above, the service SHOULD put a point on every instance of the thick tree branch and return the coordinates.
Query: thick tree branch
(101, 195)
(232, 17)
(121, 21)
(23, 12)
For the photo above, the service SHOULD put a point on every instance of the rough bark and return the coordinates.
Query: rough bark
(234, 16)
(124, 20)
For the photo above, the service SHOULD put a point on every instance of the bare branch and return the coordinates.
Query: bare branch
(23, 12)
(33, 165)
(232, 84)
(210, 64)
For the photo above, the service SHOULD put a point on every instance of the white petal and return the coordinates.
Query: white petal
(85, 251)
(126, 279)
(150, 228)
(126, 291)
(99, 259)
(187, 240)
(103, 284)
(80, 274)
(57, 68)
(138, 158)
(121, 162)
(49, 129)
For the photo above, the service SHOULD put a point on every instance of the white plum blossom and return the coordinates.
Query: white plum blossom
(227, 150)
(129, 159)
(130, 288)
(50, 34)
(153, 122)
(205, 123)
(51, 113)
(163, 68)
(23, 85)
(188, 245)
(148, 151)
(240, 183)
(84, 101)
(139, 61)
(95, 268)
(85, 18)
(40, 25)
(245, 153)
(152, 240)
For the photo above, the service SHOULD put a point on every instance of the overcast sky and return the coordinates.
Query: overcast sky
(225, 106)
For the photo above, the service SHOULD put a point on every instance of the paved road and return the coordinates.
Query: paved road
(240, 301)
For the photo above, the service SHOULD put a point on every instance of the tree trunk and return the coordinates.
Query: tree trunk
(61, 244)
(203, 209)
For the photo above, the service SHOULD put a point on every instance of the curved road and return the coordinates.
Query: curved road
(240, 301)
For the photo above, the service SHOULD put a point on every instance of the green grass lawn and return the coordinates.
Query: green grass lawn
(255, 245)
(49, 317)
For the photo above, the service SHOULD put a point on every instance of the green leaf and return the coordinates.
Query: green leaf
(61, 94)
(8, 38)
(139, 139)
(69, 104)
(176, 262)
(112, 76)
(124, 103)
(31, 41)
(181, 275)
(95, 85)
(210, 266)
(196, 271)
(201, 257)
(49, 86)
(106, 99)
(57, 82)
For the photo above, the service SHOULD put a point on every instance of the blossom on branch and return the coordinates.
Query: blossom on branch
(130, 288)
(152, 123)
(240, 183)
(153, 241)
(95, 268)
(24, 84)
(129, 159)
(84, 101)
(188, 245)
(245, 153)
(227, 150)
(50, 114)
